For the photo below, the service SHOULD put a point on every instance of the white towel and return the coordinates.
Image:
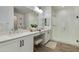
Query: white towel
(38, 41)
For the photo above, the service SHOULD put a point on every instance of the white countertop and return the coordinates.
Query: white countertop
(17, 35)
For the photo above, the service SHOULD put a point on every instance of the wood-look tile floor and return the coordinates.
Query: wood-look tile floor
(61, 47)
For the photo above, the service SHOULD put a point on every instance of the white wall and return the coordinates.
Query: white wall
(6, 17)
(66, 27)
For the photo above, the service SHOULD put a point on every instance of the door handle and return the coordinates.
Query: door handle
(20, 43)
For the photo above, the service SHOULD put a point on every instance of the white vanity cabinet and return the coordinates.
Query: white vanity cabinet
(21, 44)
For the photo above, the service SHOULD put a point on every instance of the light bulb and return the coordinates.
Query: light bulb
(38, 10)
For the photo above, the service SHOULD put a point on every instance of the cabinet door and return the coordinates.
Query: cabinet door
(9, 46)
(28, 44)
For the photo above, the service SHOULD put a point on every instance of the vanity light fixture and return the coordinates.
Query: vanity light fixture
(38, 10)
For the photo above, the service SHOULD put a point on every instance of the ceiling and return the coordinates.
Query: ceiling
(22, 9)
